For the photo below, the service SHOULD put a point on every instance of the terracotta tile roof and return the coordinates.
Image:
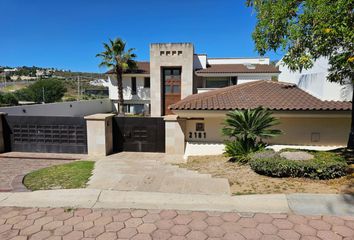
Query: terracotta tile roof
(143, 68)
(269, 94)
(239, 68)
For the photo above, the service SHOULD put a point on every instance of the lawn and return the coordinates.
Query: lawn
(71, 175)
(243, 180)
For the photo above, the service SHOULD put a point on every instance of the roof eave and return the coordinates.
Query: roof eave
(232, 74)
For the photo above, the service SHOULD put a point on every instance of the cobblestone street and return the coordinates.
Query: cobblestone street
(88, 224)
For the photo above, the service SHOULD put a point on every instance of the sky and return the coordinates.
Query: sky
(68, 34)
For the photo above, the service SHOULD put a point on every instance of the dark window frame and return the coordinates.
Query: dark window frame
(233, 80)
(147, 82)
(133, 81)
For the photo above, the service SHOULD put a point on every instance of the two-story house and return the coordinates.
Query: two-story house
(175, 71)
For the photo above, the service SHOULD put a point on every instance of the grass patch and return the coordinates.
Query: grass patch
(71, 175)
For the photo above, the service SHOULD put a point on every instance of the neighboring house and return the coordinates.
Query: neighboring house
(304, 119)
(175, 72)
(136, 89)
(314, 81)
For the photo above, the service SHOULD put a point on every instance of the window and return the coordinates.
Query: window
(134, 108)
(168, 88)
(127, 108)
(162, 53)
(133, 85)
(176, 88)
(179, 53)
(176, 72)
(216, 82)
(147, 82)
(234, 80)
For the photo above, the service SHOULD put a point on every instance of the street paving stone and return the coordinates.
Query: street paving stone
(13, 170)
(139, 224)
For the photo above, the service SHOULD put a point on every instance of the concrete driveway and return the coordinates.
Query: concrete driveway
(149, 172)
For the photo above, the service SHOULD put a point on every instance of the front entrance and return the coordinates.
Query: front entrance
(171, 88)
(138, 134)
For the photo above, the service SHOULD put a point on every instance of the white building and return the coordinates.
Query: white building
(314, 81)
(175, 71)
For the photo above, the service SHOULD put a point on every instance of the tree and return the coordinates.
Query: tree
(8, 99)
(24, 94)
(119, 59)
(246, 129)
(308, 30)
(45, 90)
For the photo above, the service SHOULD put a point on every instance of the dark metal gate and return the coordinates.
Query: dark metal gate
(138, 134)
(45, 134)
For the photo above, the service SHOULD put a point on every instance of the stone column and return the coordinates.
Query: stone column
(2, 137)
(175, 139)
(99, 134)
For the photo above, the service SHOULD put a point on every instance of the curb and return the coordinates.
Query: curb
(305, 204)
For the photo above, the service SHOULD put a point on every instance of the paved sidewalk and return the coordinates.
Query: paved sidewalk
(140, 224)
(308, 204)
(149, 172)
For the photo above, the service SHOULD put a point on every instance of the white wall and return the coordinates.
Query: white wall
(249, 78)
(314, 81)
(75, 108)
(199, 61)
(203, 148)
(238, 60)
(141, 92)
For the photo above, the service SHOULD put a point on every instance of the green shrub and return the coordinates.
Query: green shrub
(8, 99)
(245, 130)
(24, 94)
(240, 150)
(325, 165)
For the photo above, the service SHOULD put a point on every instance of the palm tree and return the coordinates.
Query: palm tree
(117, 58)
(247, 128)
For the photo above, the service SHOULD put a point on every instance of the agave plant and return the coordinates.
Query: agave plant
(246, 129)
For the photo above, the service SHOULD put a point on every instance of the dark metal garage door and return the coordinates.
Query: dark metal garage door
(45, 134)
(138, 134)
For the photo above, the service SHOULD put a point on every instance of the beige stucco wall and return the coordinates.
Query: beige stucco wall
(305, 131)
(158, 61)
(99, 134)
(298, 129)
(175, 141)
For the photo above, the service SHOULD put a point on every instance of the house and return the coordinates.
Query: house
(175, 72)
(194, 92)
(136, 89)
(304, 119)
(314, 81)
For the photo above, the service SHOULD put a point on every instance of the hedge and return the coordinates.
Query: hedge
(324, 165)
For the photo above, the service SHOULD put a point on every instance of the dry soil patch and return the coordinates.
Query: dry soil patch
(243, 180)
